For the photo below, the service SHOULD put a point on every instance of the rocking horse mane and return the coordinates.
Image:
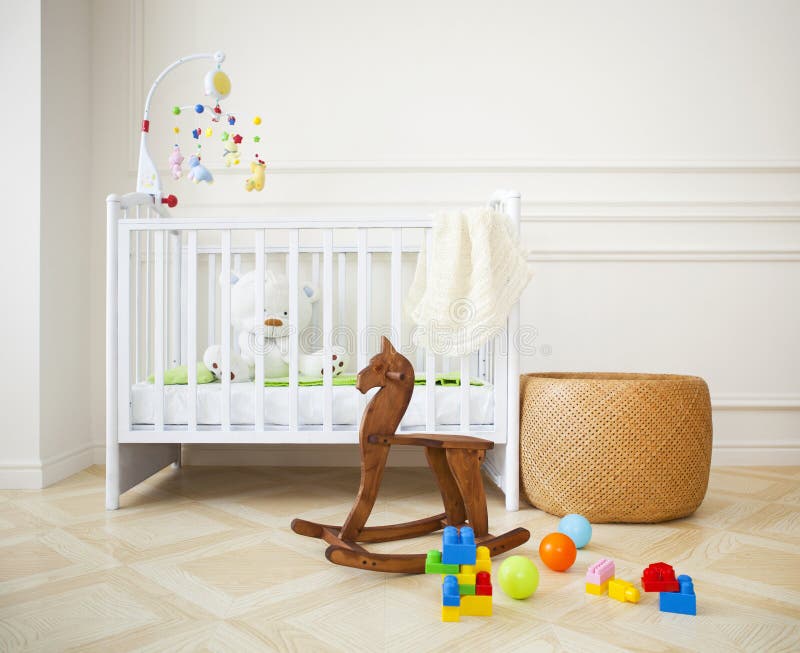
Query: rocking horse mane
(393, 373)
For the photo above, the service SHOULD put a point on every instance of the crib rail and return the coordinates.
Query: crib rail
(170, 297)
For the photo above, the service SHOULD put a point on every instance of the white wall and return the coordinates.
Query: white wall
(66, 221)
(45, 48)
(656, 145)
(20, 41)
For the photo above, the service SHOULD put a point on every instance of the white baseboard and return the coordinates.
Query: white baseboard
(33, 474)
(742, 455)
(20, 476)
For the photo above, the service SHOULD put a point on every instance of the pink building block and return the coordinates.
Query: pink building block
(600, 572)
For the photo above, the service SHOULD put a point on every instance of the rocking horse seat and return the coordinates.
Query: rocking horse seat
(433, 440)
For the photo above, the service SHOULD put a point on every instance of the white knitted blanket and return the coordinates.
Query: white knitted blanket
(478, 271)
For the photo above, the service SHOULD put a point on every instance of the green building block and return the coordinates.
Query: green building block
(466, 590)
(433, 564)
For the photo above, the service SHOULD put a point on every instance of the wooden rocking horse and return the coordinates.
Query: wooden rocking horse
(454, 459)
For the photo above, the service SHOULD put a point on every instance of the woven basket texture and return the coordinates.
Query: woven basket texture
(615, 447)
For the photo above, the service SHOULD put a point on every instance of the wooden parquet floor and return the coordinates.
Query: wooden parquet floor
(203, 559)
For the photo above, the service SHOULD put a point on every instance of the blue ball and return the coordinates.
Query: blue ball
(577, 528)
(199, 108)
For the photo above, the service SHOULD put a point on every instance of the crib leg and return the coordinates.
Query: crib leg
(133, 464)
(179, 460)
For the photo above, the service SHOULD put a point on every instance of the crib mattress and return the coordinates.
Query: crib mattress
(346, 406)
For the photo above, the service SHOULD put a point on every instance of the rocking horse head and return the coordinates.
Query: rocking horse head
(389, 366)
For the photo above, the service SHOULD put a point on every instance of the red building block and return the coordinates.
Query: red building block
(483, 584)
(660, 577)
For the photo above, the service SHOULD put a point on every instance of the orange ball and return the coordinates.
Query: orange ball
(558, 551)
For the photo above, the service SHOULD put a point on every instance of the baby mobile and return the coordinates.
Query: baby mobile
(217, 86)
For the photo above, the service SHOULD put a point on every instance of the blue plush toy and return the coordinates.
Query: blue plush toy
(198, 172)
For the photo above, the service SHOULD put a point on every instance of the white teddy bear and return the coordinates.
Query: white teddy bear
(270, 336)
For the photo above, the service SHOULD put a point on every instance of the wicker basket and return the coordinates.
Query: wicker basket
(615, 447)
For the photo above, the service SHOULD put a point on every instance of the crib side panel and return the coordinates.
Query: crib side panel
(363, 271)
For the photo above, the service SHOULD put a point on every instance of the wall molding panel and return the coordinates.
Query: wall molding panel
(664, 238)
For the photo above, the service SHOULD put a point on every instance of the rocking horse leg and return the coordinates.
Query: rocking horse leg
(373, 462)
(465, 465)
(451, 496)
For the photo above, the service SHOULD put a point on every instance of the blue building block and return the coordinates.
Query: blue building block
(458, 548)
(450, 593)
(681, 602)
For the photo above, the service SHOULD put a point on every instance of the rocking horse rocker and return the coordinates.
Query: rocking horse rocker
(454, 459)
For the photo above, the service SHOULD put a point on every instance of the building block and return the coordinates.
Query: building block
(467, 590)
(659, 577)
(623, 591)
(464, 579)
(433, 564)
(458, 547)
(476, 606)
(450, 613)
(597, 590)
(483, 584)
(600, 572)
(451, 597)
(483, 559)
(681, 602)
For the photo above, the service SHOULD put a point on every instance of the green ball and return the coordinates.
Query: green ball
(176, 110)
(518, 577)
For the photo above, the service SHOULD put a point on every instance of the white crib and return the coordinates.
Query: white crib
(168, 296)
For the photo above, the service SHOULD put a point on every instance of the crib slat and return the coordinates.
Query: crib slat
(465, 377)
(159, 334)
(430, 356)
(225, 329)
(362, 302)
(147, 307)
(212, 299)
(191, 327)
(502, 343)
(341, 295)
(315, 281)
(369, 288)
(174, 297)
(117, 341)
(293, 265)
(327, 329)
(184, 311)
(137, 268)
(258, 385)
(397, 288)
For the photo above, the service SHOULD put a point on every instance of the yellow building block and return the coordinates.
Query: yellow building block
(597, 590)
(476, 606)
(464, 578)
(483, 561)
(450, 613)
(623, 591)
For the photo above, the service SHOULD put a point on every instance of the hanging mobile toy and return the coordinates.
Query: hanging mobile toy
(231, 153)
(175, 161)
(217, 85)
(198, 172)
(258, 171)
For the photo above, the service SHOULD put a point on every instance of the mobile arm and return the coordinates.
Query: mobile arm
(148, 180)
